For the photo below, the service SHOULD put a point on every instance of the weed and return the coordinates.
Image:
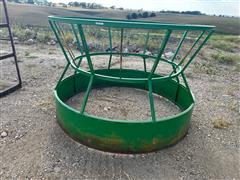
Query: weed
(27, 53)
(221, 123)
(227, 38)
(204, 68)
(224, 45)
(228, 59)
(44, 37)
(51, 52)
(32, 57)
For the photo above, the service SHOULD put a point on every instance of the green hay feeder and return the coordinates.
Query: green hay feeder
(124, 136)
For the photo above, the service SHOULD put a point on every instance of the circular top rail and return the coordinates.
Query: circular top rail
(118, 23)
(80, 30)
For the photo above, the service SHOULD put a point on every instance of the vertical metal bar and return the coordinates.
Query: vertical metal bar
(178, 87)
(185, 81)
(12, 43)
(85, 99)
(110, 44)
(85, 46)
(198, 49)
(177, 93)
(163, 45)
(144, 51)
(121, 50)
(151, 100)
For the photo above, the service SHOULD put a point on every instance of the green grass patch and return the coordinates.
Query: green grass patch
(204, 68)
(227, 38)
(28, 55)
(224, 45)
(226, 58)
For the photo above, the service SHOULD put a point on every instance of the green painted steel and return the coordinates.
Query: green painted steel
(116, 135)
(120, 135)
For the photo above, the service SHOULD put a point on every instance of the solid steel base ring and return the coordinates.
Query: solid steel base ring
(123, 136)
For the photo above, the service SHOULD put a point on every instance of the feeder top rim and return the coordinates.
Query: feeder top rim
(119, 23)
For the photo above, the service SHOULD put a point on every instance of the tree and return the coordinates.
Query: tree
(30, 1)
(140, 15)
(145, 14)
(134, 16)
(153, 14)
(82, 4)
(75, 4)
(112, 7)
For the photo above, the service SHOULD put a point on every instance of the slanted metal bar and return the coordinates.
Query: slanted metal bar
(176, 52)
(79, 47)
(79, 63)
(179, 45)
(76, 71)
(85, 46)
(62, 75)
(121, 50)
(151, 100)
(198, 49)
(163, 45)
(65, 42)
(85, 99)
(144, 51)
(56, 32)
(189, 51)
(110, 44)
(77, 39)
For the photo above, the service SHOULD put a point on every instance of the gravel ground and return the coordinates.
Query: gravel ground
(36, 147)
(123, 103)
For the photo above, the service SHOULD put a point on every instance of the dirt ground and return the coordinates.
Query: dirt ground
(36, 147)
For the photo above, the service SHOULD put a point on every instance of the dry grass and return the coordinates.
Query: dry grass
(220, 123)
(226, 58)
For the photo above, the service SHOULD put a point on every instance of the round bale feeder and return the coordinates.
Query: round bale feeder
(116, 135)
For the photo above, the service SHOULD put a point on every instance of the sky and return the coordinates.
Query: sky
(224, 7)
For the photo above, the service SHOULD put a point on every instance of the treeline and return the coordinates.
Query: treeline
(146, 14)
(184, 12)
(36, 2)
(140, 15)
(85, 5)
